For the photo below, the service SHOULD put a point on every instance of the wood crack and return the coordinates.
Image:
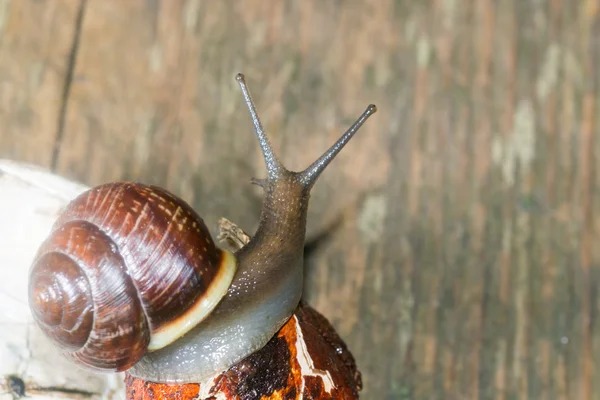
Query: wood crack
(67, 85)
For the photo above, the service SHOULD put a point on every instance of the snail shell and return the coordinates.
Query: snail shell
(127, 268)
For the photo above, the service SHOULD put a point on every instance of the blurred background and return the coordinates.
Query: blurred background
(453, 243)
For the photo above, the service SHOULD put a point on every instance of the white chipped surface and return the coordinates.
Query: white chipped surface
(206, 387)
(423, 52)
(307, 366)
(519, 147)
(30, 199)
(548, 77)
(371, 219)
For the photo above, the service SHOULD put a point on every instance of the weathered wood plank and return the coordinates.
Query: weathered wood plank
(36, 39)
(453, 242)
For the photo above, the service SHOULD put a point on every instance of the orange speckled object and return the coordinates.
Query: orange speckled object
(306, 359)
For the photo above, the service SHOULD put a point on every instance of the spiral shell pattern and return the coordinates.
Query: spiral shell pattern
(127, 268)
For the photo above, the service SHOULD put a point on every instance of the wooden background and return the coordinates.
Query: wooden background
(454, 242)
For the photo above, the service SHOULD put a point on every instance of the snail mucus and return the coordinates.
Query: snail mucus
(130, 279)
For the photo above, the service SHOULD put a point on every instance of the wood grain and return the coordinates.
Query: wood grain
(35, 44)
(452, 243)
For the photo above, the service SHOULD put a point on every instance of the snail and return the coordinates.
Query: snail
(130, 279)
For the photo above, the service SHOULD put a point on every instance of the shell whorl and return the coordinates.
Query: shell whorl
(79, 308)
(128, 267)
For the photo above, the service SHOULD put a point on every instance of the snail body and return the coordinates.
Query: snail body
(130, 279)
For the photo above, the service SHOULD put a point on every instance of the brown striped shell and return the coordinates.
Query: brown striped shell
(127, 268)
